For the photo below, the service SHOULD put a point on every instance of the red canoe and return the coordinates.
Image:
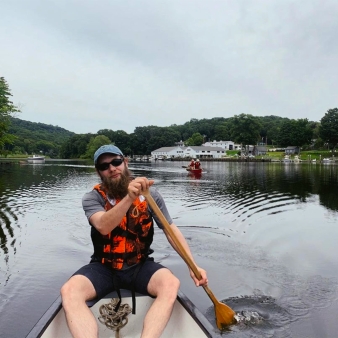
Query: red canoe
(194, 171)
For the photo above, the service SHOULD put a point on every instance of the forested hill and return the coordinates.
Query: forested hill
(32, 137)
(244, 129)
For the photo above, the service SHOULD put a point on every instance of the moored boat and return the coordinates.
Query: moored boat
(327, 160)
(296, 159)
(186, 320)
(36, 159)
(286, 159)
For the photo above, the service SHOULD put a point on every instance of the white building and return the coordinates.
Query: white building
(226, 145)
(188, 152)
(167, 152)
(203, 152)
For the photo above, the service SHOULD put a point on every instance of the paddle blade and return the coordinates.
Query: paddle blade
(225, 316)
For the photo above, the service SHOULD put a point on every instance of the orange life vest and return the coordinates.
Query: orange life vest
(130, 241)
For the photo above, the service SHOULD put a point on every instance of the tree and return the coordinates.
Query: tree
(195, 140)
(302, 134)
(147, 139)
(95, 143)
(76, 146)
(222, 132)
(270, 128)
(120, 138)
(245, 129)
(328, 129)
(295, 133)
(7, 109)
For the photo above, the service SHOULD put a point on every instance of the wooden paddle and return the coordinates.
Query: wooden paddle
(224, 314)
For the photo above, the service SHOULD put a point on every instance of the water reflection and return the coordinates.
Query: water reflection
(245, 190)
(26, 188)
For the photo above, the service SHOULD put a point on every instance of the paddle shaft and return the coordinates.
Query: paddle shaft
(171, 233)
(178, 244)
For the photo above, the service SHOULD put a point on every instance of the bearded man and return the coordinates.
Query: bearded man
(122, 231)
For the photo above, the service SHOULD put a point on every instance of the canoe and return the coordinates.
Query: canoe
(194, 171)
(186, 320)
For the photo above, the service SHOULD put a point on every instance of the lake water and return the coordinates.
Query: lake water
(265, 232)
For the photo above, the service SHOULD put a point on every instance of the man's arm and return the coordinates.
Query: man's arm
(106, 221)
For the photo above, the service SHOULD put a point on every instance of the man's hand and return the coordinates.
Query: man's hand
(201, 282)
(136, 186)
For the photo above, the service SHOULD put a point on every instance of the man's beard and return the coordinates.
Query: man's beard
(117, 188)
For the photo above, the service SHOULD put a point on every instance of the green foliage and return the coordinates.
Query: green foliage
(195, 140)
(328, 130)
(245, 129)
(75, 146)
(270, 128)
(31, 137)
(7, 110)
(94, 144)
(146, 139)
(222, 132)
(206, 127)
(122, 139)
(295, 133)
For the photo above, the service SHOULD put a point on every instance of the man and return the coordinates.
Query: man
(192, 164)
(197, 164)
(122, 231)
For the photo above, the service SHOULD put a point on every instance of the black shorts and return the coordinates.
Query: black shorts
(102, 276)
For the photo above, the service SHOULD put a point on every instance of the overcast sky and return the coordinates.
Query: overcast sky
(88, 65)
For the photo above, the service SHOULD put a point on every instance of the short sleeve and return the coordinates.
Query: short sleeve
(92, 202)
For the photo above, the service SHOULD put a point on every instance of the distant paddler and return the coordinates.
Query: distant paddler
(191, 165)
(197, 164)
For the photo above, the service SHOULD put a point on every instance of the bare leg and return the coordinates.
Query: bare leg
(164, 285)
(80, 319)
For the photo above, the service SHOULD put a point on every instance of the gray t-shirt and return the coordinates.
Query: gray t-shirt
(92, 202)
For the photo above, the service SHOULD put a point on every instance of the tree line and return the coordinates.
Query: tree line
(23, 137)
(242, 129)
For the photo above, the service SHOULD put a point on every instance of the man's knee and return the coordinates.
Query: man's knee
(173, 283)
(76, 289)
(68, 291)
(170, 286)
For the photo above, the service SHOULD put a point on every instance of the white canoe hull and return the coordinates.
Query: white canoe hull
(186, 320)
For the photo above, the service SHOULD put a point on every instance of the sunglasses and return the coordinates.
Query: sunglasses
(105, 165)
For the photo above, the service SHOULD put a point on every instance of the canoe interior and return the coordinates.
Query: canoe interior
(186, 320)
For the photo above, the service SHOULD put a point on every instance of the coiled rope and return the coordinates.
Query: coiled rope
(114, 320)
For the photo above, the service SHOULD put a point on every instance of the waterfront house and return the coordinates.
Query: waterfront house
(259, 150)
(203, 152)
(188, 152)
(167, 153)
(292, 150)
(226, 145)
